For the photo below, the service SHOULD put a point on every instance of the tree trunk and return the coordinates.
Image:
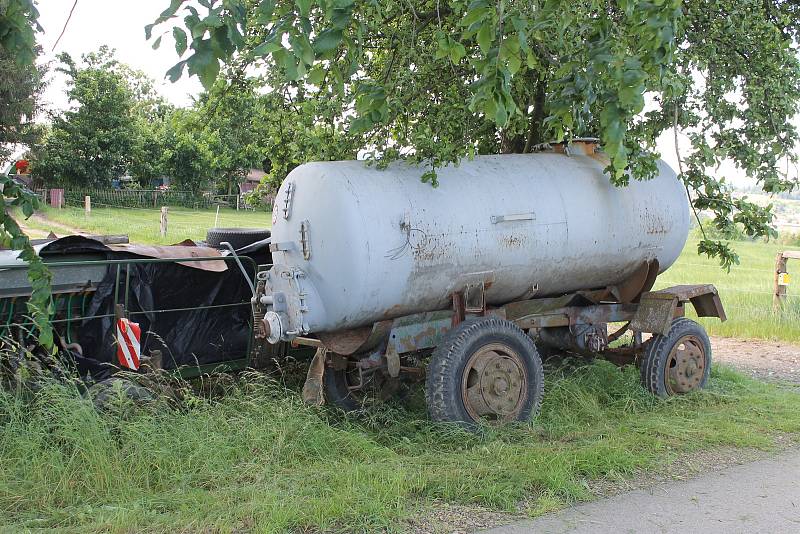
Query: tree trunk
(536, 127)
(511, 143)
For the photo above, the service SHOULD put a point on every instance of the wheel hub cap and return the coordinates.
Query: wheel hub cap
(494, 383)
(686, 365)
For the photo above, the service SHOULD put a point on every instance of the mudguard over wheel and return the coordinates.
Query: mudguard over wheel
(237, 237)
(486, 368)
(679, 362)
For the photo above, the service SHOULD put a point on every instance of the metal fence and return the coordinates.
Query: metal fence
(154, 198)
(139, 198)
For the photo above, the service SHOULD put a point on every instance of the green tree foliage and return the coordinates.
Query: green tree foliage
(20, 83)
(292, 130)
(18, 27)
(20, 88)
(151, 115)
(188, 151)
(438, 81)
(269, 130)
(92, 143)
(229, 112)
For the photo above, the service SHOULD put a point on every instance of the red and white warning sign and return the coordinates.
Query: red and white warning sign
(128, 336)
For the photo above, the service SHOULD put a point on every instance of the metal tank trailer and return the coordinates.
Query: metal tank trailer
(468, 284)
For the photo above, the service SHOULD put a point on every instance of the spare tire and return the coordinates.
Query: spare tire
(237, 237)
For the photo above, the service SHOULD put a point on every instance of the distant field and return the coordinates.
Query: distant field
(143, 225)
(746, 291)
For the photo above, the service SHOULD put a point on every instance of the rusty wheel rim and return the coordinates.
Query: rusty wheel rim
(686, 366)
(494, 382)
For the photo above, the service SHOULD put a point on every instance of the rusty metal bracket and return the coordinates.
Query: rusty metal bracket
(392, 359)
(313, 389)
(475, 298)
(657, 309)
(655, 313)
(704, 298)
(458, 309)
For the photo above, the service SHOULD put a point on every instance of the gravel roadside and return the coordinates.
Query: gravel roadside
(764, 360)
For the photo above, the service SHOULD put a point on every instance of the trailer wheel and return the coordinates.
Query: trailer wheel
(337, 383)
(485, 369)
(679, 362)
(378, 387)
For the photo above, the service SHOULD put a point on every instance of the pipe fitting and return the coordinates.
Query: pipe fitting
(272, 327)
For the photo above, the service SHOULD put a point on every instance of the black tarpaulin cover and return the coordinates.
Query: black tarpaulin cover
(215, 329)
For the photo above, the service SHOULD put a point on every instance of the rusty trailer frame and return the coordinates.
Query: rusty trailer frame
(576, 322)
(653, 313)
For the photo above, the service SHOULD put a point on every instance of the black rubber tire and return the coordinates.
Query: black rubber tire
(446, 369)
(654, 362)
(237, 237)
(112, 393)
(336, 393)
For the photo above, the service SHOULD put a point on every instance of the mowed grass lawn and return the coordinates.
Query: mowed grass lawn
(144, 225)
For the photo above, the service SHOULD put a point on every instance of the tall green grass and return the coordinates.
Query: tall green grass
(258, 459)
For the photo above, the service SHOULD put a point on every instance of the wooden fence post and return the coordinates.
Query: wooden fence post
(87, 203)
(164, 210)
(781, 280)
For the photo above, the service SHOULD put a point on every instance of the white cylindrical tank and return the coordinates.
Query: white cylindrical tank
(353, 245)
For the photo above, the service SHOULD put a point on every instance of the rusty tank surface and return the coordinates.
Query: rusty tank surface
(353, 245)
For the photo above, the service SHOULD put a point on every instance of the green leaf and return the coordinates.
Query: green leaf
(490, 108)
(316, 75)
(509, 51)
(175, 72)
(457, 52)
(327, 41)
(340, 18)
(306, 51)
(514, 63)
(304, 7)
(264, 11)
(204, 64)
(180, 40)
(170, 11)
(157, 42)
(266, 48)
(442, 48)
(475, 14)
(485, 37)
(501, 115)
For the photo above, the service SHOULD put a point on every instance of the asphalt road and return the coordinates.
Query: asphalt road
(762, 496)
